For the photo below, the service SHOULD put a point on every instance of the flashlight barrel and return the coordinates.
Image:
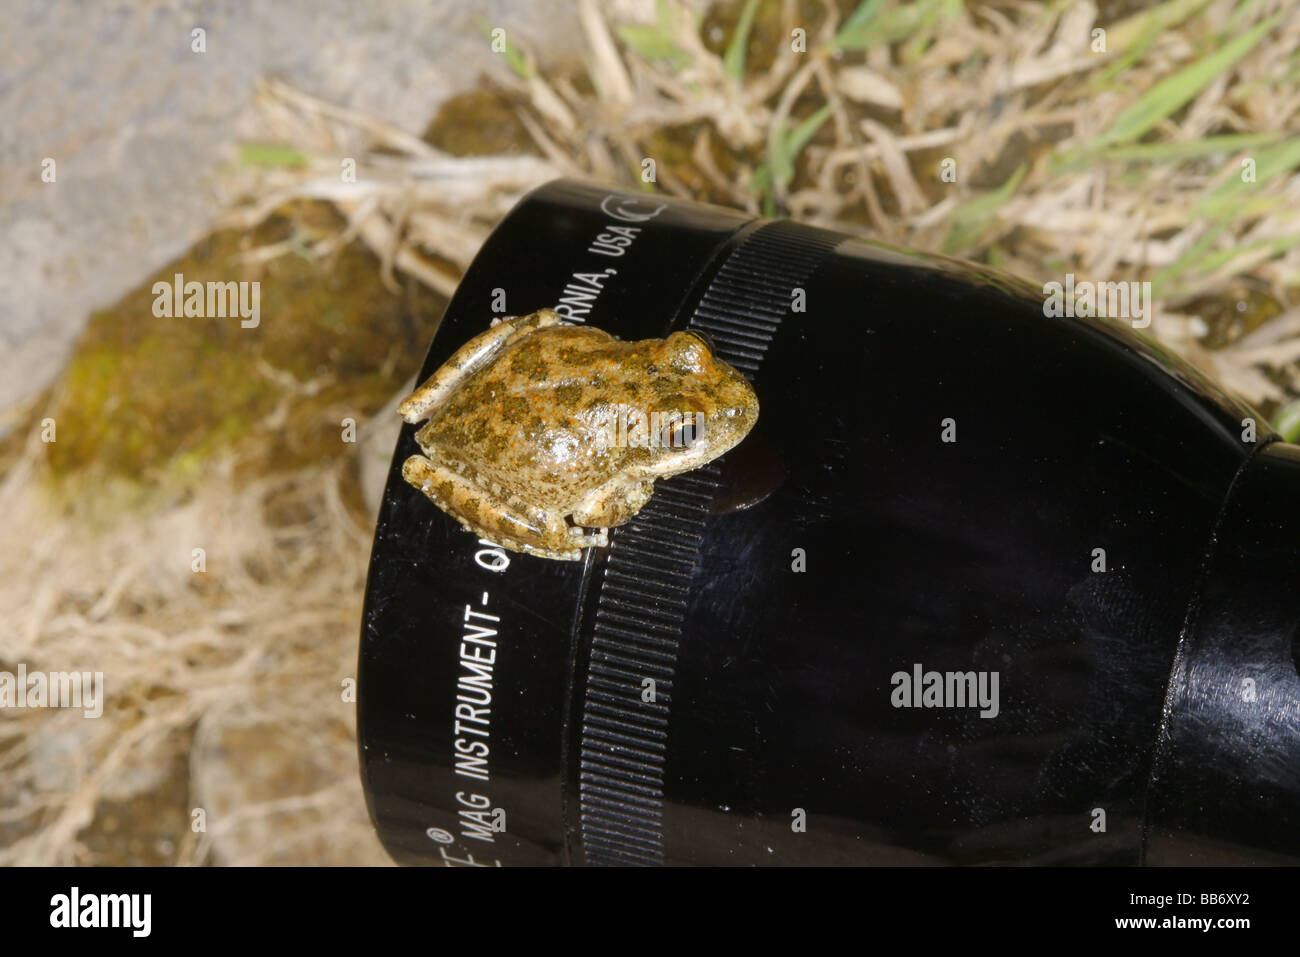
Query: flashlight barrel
(983, 585)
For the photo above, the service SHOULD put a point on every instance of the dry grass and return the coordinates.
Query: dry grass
(236, 671)
(1115, 166)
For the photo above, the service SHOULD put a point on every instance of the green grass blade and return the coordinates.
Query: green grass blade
(1167, 15)
(734, 58)
(650, 43)
(1132, 51)
(786, 149)
(1278, 244)
(898, 24)
(1287, 421)
(971, 218)
(1163, 152)
(857, 20)
(1172, 93)
(1270, 162)
(1192, 256)
(1206, 263)
(807, 129)
(516, 60)
(1240, 15)
(1173, 152)
(271, 154)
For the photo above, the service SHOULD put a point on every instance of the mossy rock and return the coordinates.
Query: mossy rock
(151, 400)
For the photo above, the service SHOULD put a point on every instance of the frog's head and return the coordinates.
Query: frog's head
(705, 406)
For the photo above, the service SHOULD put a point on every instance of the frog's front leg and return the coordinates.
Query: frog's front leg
(496, 515)
(468, 359)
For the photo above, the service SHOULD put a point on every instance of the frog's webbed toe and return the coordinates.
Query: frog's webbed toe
(571, 555)
(587, 538)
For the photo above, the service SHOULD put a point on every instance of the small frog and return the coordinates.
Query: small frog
(543, 435)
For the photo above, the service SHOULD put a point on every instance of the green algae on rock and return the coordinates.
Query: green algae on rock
(150, 400)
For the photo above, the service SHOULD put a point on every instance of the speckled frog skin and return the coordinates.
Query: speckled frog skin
(519, 447)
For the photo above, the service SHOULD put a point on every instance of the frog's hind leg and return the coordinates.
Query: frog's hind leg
(495, 514)
(613, 503)
(468, 359)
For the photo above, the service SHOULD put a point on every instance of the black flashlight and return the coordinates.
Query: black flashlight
(986, 584)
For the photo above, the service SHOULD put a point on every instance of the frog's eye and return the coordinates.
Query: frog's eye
(682, 433)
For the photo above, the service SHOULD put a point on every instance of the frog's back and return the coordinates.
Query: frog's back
(526, 418)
